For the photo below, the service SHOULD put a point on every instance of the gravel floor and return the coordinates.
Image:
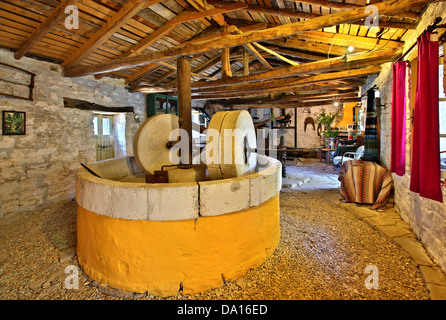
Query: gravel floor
(323, 253)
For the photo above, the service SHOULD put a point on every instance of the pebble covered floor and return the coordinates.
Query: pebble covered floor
(322, 255)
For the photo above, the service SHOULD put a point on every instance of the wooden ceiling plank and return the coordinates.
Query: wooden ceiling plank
(43, 29)
(224, 41)
(108, 29)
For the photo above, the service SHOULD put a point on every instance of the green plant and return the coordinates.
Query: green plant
(326, 120)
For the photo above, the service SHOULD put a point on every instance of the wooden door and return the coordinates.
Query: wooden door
(103, 132)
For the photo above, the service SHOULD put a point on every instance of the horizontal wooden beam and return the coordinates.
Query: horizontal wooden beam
(290, 104)
(277, 55)
(340, 63)
(324, 48)
(304, 15)
(346, 40)
(85, 105)
(328, 92)
(347, 6)
(294, 82)
(225, 41)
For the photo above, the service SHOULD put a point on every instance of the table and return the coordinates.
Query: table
(327, 152)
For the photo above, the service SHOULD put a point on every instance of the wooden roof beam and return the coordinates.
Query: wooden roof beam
(279, 12)
(287, 98)
(120, 18)
(277, 55)
(326, 65)
(45, 27)
(404, 13)
(194, 47)
(293, 82)
(346, 40)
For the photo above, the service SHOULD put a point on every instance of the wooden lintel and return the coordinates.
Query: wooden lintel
(85, 105)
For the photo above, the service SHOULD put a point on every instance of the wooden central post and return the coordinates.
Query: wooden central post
(185, 99)
(225, 58)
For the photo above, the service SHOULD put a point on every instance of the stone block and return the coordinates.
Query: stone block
(224, 196)
(433, 275)
(172, 201)
(415, 249)
(129, 203)
(95, 197)
(265, 185)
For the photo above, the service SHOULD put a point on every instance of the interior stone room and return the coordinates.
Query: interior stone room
(216, 149)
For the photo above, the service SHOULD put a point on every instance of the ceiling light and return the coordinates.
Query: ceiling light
(350, 49)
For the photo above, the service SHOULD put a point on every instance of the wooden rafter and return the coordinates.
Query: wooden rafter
(184, 16)
(357, 61)
(216, 59)
(283, 12)
(280, 99)
(224, 41)
(404, 13)
(289, 84)
(107, 30)
(334, 50)
(292, 104)
(346, 40)
(291, 62)
(44, 28)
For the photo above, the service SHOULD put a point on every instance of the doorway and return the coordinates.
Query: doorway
(104, 138)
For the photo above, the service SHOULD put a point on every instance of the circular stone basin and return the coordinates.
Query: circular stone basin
(164, 237)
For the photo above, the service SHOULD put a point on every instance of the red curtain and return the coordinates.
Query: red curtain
(425, 173)
(398, 146)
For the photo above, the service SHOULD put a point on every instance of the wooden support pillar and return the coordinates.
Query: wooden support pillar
(245, 57)
(225, 60)
(185, 99)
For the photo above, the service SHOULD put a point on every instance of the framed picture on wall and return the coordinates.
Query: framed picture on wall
(13, 123)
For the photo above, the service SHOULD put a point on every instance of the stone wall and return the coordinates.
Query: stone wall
(39, 168)
(307, 138)
(426, 217)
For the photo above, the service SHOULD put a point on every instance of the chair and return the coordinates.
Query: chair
(349, 156)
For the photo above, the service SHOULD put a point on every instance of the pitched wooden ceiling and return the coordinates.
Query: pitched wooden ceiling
(254, 49)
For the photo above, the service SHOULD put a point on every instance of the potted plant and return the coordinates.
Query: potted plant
(329, 133)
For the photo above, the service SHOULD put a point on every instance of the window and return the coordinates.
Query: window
(106, 127)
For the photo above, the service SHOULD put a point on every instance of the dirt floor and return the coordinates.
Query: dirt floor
(323, 254)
